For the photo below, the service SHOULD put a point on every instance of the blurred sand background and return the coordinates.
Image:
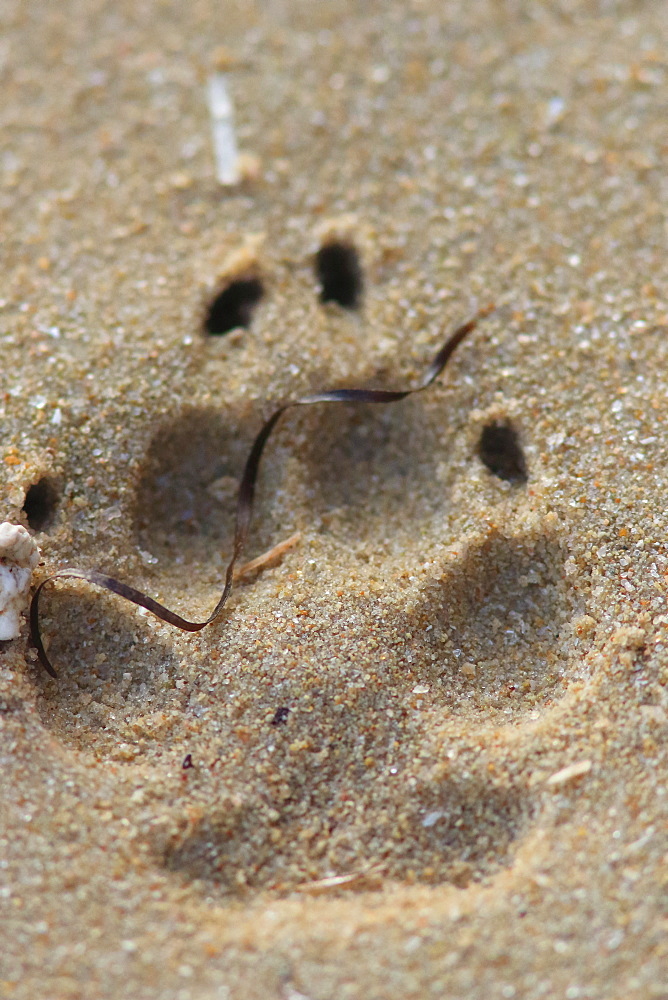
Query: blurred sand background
(467, 796)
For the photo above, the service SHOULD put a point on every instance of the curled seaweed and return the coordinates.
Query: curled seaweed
(244, 499)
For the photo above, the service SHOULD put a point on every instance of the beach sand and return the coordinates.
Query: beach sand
(428, 746)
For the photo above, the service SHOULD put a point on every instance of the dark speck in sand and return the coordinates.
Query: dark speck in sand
(280, 716)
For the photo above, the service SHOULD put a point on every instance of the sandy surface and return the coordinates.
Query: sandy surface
(467, 797)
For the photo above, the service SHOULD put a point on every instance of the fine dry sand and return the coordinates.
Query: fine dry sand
(467, 795)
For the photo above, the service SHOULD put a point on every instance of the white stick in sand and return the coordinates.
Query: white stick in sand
(18, 557)
(222, 126)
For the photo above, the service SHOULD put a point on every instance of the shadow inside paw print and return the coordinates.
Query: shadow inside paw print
(456, 830)
(41, 503)
(105, 683)
(185, 500)
(490, 630)
(339, 273)
(500, 451)
(370, 472)
(233, 306)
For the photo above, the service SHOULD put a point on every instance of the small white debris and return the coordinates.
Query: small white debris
(432, 818)
(639, 845)
(554, 111)
(222, 126)
(380, 73)
(569, 773)
(18, 557)
(111, 513)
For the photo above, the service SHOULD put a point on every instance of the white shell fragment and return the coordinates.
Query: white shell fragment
(18, 557)
(222, 126)
(569, 773)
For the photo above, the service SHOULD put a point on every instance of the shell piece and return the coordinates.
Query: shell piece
(224, 135)
(18, 557)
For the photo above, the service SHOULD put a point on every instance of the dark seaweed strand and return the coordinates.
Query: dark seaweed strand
(244, 500)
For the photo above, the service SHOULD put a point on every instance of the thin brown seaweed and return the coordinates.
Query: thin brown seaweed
(245, 498)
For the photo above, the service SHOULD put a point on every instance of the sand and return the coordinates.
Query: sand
(428, 747)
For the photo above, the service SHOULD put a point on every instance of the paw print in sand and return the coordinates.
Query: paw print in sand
(399, 644)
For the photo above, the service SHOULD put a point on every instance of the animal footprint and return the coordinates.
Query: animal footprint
(478, 638)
